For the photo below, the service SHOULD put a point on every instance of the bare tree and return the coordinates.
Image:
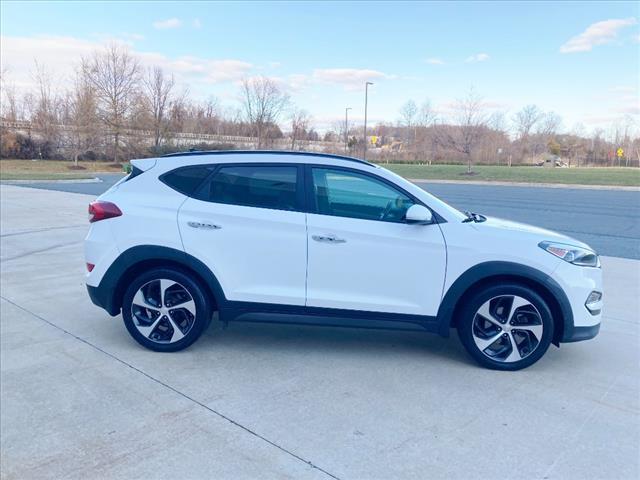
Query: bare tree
(44, 118)
(470, 122)
(524, 120)
(427, 115)
(263, 102)
(82, 111)
(549, 124)
(8, 97)
(157, 91)
(300, 120)
(408, 112)
(113, 74)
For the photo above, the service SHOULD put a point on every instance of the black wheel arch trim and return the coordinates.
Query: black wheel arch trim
(108, 294)
(485, 271)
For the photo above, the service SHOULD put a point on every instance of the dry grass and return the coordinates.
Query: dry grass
(53, 170)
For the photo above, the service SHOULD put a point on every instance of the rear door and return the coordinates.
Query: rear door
(362, 255)
(247, 224)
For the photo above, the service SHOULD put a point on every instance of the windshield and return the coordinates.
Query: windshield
(439, 206)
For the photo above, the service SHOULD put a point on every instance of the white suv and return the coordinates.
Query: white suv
(324, 239)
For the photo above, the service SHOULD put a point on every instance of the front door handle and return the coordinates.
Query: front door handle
(328, 239)
(206, 226)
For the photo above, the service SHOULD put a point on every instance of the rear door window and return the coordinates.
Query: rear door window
(262, 186)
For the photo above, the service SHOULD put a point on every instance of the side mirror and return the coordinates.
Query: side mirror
(418, 215)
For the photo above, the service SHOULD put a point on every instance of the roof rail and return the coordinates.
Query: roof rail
(252, 152)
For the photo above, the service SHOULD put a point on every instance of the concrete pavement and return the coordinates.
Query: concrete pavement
(80, 398)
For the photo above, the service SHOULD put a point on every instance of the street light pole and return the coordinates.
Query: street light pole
(346, 129)
(366, 94)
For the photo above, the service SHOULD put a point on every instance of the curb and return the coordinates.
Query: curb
(525, 184)
(68, 180)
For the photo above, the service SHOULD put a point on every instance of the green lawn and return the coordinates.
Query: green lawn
(493, 173)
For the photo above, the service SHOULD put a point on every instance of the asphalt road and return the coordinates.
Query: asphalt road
(608, 220)
(81, 399)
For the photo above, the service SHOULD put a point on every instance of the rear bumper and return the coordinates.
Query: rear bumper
(101, 298)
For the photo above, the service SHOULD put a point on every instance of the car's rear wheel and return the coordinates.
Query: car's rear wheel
(506, 327)
(165, 310)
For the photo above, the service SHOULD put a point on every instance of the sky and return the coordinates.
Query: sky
(579, 59)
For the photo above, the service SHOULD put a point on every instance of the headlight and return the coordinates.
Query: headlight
(576, 255)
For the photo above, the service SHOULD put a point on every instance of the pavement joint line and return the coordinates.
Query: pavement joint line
(39, 230)
(169, 387)
(26, 254)
(578, 430)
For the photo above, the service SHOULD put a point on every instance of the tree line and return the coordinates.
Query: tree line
(112, 95)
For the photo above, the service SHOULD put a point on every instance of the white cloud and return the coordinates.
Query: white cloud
(478, 57)
(297, 81)
(350, 78)
(196, 23)
(598, 33)
(61, 55)
(624, 89)
(168, 23)
(434, 61)
(198, 69)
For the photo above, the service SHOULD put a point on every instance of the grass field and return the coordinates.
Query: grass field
(60, 170)
(52, 170)
(492, 173)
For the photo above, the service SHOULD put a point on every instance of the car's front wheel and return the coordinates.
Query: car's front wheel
(506, 327)
(165, 310)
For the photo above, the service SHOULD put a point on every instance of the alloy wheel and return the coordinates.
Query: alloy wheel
(163, 311)
(507, 328)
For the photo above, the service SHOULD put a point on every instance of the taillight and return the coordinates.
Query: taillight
(102, 210)
(90, 267)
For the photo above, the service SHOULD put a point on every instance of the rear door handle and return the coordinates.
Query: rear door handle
(205, 226)
(328, 239)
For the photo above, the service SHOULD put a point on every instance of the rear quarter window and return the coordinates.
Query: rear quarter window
(186, 180)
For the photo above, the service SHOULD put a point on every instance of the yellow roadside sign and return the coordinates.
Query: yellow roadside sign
(620, 152)
(374, 139)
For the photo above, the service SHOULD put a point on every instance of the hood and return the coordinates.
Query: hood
(535, 233)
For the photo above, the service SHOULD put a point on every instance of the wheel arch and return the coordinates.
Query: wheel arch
(490, 273)
(133, 261)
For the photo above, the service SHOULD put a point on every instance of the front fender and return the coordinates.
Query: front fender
(502, 271)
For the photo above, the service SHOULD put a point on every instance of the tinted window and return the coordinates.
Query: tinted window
(349, 194)
(255, 186)
(186, 180)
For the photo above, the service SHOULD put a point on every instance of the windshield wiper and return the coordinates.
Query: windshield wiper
(473, 217)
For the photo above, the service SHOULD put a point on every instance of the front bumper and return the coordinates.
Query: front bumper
(578, 283)
(579, 334)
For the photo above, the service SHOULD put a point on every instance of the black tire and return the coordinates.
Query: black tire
(491, 293)
(194, 326)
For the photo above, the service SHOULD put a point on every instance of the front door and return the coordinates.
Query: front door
(362, 255)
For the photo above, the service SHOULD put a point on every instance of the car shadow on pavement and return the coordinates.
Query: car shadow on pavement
(294, 339)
